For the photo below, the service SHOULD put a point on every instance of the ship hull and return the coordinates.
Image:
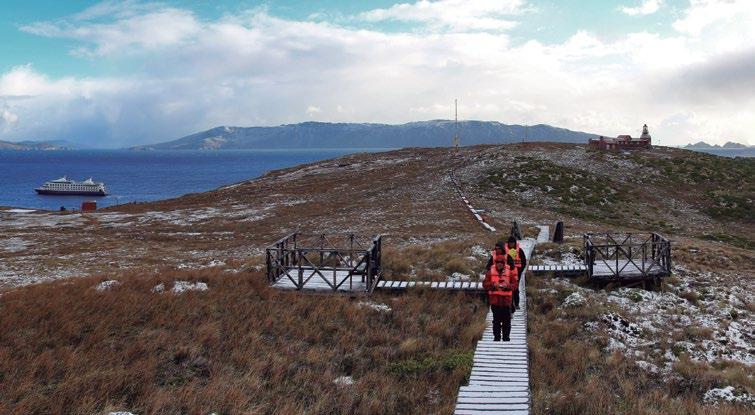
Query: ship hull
(69, 193)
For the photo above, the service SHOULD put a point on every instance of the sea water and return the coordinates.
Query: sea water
(139, 176)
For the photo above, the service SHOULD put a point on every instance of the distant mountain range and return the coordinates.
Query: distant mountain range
(703, 145)
(37, 145)
(435, 133)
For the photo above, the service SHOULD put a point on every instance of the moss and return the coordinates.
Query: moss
(738, 241)
(426, 365)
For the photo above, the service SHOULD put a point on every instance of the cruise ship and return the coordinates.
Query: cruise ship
(63, 186)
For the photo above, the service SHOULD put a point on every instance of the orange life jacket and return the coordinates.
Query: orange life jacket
(497, 295)
(514, 254)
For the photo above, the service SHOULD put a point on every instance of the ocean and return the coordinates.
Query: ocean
(727, 152)
(139, 176)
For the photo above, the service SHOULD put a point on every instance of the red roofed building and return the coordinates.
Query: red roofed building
(622, 142)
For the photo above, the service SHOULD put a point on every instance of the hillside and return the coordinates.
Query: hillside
(242, 347)
(36, 145)
(342, 135)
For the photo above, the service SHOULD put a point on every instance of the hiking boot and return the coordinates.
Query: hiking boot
(506, 339)
(497, 339)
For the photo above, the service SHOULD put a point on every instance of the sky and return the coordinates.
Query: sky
(119, 73)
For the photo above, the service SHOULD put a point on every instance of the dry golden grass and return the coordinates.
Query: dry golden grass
(239, 347)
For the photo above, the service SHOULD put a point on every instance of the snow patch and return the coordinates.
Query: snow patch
(180, 287)
(344, 381)
(574, 300)
(19, 211)
(14, 244)
(375, 306)
(458, 276)
(106, 285)
(480, 251)
(727, 394)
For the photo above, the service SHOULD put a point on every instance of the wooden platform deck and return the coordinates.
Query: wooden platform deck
(499, 383)
(628, 269)
(316, 283)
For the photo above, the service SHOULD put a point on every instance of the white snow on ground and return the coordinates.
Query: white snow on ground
(567, 258)
(106, 285)
(480, 252)
(158, 288)
(14, 244)
(344, 381)
(120, 413)
(728, 394)
(18, 211)
(375, 306)
(180, 287)
(574, 300)
(623, 330)
(458, 276)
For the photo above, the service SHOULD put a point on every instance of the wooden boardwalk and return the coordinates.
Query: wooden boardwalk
(440, 285)
(500, 381)
(558, 268)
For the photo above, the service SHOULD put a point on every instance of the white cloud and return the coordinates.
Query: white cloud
(312, 110)
(255, 69)
(155, 29)
(459, 15)
(644, 8)
(704, 13)
(8, 117)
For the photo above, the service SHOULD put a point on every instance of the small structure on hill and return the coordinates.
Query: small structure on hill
(622, 142)
(324, 263)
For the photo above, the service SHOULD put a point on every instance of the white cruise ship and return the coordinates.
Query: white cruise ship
(63, 186)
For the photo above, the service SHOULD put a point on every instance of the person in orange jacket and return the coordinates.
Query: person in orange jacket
(515, 252)
(499, 282)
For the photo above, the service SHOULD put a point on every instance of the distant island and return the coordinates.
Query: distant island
(728, 146)
(37, 145)
(434, 133)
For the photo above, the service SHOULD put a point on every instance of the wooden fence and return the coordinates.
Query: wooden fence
(333, 260)
(620, 257)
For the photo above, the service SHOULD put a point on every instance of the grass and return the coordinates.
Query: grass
(578, 192)
(239, 347)
(571, 372)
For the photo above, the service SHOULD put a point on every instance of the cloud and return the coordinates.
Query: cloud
(704, 13)
(256, 69)
(457, 15)
(152, 30)
(644, 8)
(7, 117)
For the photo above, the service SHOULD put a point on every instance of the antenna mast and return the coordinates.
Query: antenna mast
(457, 140)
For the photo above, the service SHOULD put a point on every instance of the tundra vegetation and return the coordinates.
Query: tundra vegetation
(240, 347)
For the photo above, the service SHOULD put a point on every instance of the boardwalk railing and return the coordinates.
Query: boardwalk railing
(617, 257)
(333, 260)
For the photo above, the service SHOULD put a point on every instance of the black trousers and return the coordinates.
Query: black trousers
(515, 293)
(501, 322)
